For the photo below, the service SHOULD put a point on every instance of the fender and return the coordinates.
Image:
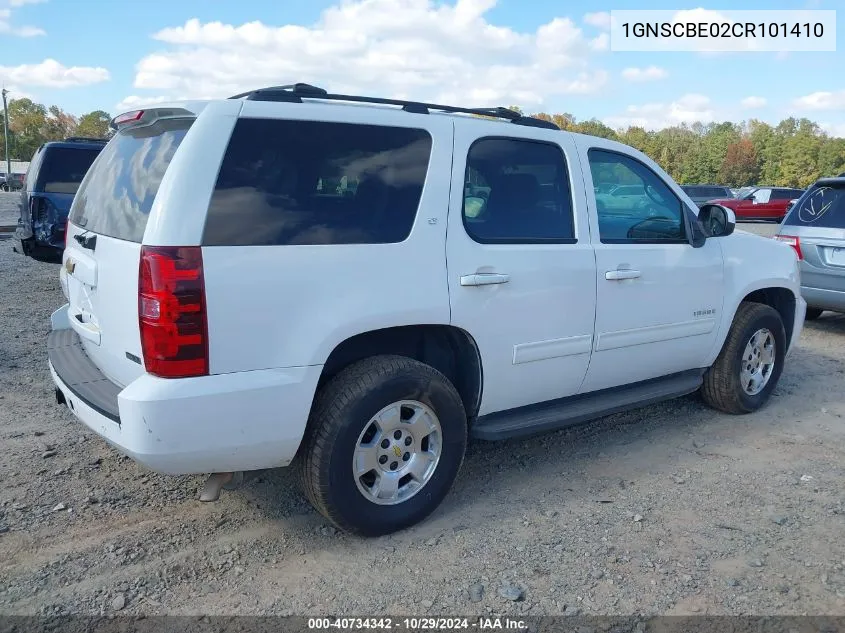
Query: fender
(746, 256)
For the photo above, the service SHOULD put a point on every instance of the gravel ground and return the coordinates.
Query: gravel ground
(670, 509)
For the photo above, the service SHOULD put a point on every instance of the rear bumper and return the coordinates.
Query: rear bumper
(227, 422)
(824, 299)
(798, 322)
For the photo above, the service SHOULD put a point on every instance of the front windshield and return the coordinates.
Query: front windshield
(748, 194)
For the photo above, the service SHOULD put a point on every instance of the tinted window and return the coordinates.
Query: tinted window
(517, 191)
(654, 215)
(63, 168)
(785, 194)
(309, 182)
(823, 207)
(116, 197)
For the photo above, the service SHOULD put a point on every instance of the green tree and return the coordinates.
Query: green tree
(799, 165)
(594, 127)
(94, 124)
(27, 126)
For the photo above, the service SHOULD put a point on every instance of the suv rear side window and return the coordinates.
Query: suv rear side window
(116, 197)
(821, 206)
(285, 182)
(517, 191)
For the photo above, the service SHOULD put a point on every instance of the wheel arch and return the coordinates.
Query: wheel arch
(780, 297)
(450, 350)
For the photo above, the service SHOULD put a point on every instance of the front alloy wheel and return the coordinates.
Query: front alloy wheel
(748, 367)
(758, 362)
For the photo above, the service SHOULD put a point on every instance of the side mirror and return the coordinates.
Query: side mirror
(717, 220)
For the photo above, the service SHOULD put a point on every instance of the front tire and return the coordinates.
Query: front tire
(384, 443)
(748, 367)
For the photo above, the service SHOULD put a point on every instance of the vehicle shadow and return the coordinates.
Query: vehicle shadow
(502, 481)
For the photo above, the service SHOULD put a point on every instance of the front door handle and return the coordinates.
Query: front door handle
(484, 279)
(624, 273)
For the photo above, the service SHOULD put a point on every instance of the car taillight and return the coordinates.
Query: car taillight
(171, 311)
(793, 241)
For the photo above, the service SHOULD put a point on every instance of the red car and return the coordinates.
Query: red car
(761, 203)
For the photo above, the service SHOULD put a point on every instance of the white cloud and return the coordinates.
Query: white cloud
(754, 102)
(652, 73)
(689, 108)
(134, 102)
(419, 49)
(600, 43)
(6, 27)
(52, 74)
(834, 129)
(821, 101)
(600, 19)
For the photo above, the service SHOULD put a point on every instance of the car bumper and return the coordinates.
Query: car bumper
(221, 423)
(824, 299)
(798, 323)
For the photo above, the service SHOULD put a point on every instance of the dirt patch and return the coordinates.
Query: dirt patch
(673, 508)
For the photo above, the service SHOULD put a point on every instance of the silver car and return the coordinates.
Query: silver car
(815, 228)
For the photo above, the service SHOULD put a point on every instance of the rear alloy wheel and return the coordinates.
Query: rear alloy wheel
(748, 367)
(384, 443)
(813, 314)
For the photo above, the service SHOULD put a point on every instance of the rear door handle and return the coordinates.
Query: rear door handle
(618, 275)
(484, 279)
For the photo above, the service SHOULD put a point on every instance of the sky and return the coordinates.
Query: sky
(553, 57)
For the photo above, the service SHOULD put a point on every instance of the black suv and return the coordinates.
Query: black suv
(701, 194)
(55, 172)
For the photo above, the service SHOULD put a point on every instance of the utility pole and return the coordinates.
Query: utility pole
(6, 136)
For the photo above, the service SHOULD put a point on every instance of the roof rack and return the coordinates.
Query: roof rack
(294, 93)
(84, 139)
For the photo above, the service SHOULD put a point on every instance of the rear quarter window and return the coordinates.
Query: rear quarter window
(116, 197)
(288, 182)
(821, 206)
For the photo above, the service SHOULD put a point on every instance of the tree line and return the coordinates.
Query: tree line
(31, 124)
(793, 153)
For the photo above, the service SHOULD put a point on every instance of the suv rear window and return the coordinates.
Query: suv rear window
(822, 206)
(286, 182)
(116, 197)
(63, 168)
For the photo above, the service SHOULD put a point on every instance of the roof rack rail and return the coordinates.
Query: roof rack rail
(85, 139)
(294, 93)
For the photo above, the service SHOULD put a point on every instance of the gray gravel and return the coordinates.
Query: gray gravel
(671, 509)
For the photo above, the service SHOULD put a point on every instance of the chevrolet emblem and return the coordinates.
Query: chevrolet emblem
(397, 451)
(70, 266)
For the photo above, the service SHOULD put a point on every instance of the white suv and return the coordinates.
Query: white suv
(358, 285)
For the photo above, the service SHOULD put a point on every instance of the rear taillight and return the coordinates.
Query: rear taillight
(793, 241)
(171, 311)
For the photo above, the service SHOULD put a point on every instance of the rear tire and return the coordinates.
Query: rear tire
(748, 367)
(813, 314)
(399, 418)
